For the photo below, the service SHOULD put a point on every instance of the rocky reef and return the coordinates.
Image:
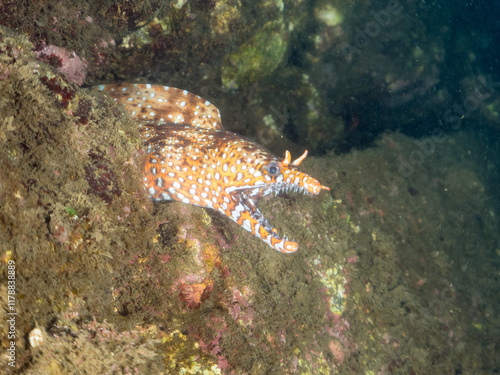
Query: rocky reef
(103, 279)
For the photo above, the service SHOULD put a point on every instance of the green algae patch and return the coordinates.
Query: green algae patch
(256, 59)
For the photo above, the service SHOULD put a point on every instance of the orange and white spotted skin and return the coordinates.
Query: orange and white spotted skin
(194, 160)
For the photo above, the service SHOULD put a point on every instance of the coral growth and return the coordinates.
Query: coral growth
(195, 294)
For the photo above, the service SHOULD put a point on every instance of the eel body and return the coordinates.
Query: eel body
(193, 159)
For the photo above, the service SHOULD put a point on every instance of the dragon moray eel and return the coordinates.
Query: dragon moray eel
(193, 159)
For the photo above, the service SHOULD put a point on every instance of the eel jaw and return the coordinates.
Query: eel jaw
(255, 221)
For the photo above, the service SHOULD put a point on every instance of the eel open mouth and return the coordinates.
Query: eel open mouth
(255, 221)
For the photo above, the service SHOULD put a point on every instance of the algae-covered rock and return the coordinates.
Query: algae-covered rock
(256, 59)
(91, 31)
(71, 198)
(107, 281)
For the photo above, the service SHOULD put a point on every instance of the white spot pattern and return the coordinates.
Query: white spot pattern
(213, 167)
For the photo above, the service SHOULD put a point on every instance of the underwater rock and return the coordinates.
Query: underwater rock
(59, 234)
(68, 63)
(256, 59)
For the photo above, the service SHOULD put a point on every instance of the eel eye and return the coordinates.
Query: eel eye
(273, 168)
